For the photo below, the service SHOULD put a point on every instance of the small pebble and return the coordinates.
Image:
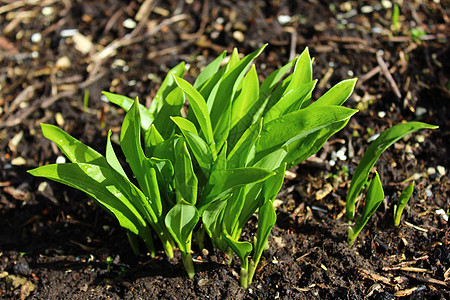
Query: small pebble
(22, 268)
(284, 19)
(238, 36)
(366, 9)
(441, 170)
(68, 32)
(36, 37)
(129, 24)
(47, 11)
(420, 111)
(442, 213)
(428, 193)
(373, 137)
(18, 161)
(82, 43)
(431, 171)
(386, 4)
(381, 114)
(63, 62)
(60, 160)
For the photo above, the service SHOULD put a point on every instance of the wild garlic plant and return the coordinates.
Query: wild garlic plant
(213, 168)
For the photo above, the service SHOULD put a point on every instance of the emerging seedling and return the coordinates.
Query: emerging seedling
(359, 179)
(402, 201)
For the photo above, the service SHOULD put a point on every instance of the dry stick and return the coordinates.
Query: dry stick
(388, 75)
(428, 280)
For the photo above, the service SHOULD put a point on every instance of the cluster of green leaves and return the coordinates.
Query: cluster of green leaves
(213, 168)
(375, 192)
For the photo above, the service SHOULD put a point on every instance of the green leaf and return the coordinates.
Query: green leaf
(221, 103)
(75, 150)
(112, 191)
(198, 146)
(111, 157)
(171, 106)
(186, 183)
(167, 86)
(198, 106)
(338, 94)
(303, 148)
(402, 201)
(246, 99)
(375, 195)
(266, 220)
(293, 126)
(223, 182)
(212, 219)
(243, 250)
(180, 221)
(302, 73)
(373, 152)
(142, 169)
(124, 102)
(152, 138)
(272, 80)
(290, 101)
(254, 114)
(260, 193)
(209, 71)
(239, 156)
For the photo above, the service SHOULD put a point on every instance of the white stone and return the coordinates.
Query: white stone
(36, 37)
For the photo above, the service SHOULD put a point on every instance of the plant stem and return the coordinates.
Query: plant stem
(244, 278)
(134, 243)
(188, 264)
(251, 271)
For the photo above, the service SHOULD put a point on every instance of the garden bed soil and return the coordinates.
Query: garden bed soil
(56, 243)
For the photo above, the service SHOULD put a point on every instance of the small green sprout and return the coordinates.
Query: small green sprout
(402, 201)
(374, 197)
(219, 165)
(395, 19)
(359, 179)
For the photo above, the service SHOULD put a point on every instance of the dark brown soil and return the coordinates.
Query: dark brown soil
(55, 242)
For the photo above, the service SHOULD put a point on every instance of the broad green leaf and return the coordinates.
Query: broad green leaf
(238, 157)
(375, 196)
(303, 148)
(223, 182)
(242, 249)
(75, 150)
(180, 222)
(130, 141)
(198, 146)
(273, 79)
(164, 175)
(103, 184)
(152, 138)
(124, 102)
(198, 106)
(166, 149)
(111, 157)
(221, 105)
(259, 193)
(402, 201)
(266, 220)
(167, 86)
(247, 98)
(338, 94)
(212, 219)
(373, 152)
(254, 114)
(171, 106)
(232, 211)
(209, 71)
(302, 71)
(186, 183)
(293, 98)
(293, 126)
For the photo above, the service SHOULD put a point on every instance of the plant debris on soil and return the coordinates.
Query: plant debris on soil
(57, 56)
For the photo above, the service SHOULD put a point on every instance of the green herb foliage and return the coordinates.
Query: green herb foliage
(402, 201)
(214, 169)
